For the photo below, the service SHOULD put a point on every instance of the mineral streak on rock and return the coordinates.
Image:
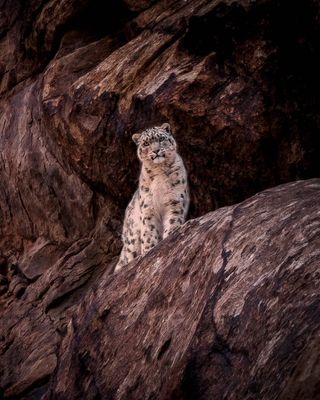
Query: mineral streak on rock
(77, 79)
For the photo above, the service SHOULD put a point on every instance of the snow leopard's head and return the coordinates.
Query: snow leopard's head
(156, 145)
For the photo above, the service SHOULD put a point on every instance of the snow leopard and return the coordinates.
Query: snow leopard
(160, 204)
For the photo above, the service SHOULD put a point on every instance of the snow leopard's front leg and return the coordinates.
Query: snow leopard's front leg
(131, 244)
(130, 234)
(174, 216)
(150, 231)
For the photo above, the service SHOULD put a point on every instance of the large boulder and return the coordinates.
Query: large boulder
(227, 307)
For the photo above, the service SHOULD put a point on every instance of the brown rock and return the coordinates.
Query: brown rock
(77, 79)
(242, 101)
(226, 308)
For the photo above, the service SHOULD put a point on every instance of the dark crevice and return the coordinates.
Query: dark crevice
(90, 23)
(61, 219)
(104, 314)
(27, 214)
(87, 376)
(191, 383)
(155, 56)
(164, 348)
(222, 348)
(63, 297)
(225, 254)
(101, 188)
(221, 87)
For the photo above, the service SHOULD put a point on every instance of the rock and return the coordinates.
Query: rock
(226, 308)
(77, 79)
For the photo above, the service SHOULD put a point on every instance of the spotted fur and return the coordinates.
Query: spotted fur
(160, 204)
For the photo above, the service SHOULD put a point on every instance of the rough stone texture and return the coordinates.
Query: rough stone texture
(226, 308)
(77, 79)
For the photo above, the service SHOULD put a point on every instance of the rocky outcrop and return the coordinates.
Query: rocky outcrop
(227, 307)
(77, 79)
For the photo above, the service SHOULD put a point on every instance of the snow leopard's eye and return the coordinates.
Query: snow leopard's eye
(145, 144)
(162, 139)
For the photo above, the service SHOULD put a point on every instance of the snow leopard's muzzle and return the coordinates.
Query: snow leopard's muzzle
(158, 156)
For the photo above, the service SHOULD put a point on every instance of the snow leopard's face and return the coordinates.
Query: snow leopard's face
(156, 145)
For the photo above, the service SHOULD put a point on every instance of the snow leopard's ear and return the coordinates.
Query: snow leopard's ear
(136, 137)
(166, 127)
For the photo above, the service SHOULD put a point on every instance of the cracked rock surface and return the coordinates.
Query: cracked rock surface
(77, 79)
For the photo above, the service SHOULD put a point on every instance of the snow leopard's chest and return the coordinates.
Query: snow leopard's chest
(159, 193)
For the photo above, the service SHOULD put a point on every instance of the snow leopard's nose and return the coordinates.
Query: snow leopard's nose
(155, 147)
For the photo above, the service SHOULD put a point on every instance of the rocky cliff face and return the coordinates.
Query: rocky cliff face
(226, 308)
(239, 84)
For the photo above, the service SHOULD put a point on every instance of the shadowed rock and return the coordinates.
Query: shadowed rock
(77, 79)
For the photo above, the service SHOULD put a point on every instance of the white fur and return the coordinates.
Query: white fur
(160, 204)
